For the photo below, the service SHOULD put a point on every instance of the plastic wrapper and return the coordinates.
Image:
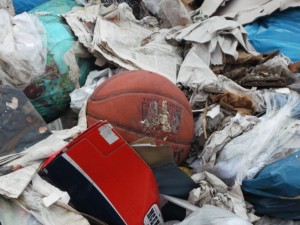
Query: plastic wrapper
(212, 215)
(274, 137)
(20, 125)
(12, 214)
(275, 190)
(152, 5)
(23, 49)
(79, 96)
(280, 30)
(49, 93)
(173, 12)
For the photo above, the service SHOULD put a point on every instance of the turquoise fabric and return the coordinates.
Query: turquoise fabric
(50, 93)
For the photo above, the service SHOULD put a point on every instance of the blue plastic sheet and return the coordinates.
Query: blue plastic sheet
(275, 190)
(279, 31)
(26, 5)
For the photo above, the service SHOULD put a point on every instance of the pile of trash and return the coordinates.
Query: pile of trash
(149, 112)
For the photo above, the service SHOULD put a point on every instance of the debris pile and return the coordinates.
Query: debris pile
(149, 112)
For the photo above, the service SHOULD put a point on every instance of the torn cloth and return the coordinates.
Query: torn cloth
(236, 103)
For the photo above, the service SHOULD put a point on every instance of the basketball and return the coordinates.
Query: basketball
(144, 104)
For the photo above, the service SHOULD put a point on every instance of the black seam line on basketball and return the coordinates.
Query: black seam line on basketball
(108, 81)
(137, 92)
(133, 130)
(115, 77)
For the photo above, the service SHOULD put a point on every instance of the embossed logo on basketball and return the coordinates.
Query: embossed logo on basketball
(160, 116)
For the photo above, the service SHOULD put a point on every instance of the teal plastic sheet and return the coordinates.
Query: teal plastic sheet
(275, 190)
(280, 30)
(49, 93)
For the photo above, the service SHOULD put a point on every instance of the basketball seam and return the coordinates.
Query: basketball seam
(100, 87)
(134, 130)
(137, 92)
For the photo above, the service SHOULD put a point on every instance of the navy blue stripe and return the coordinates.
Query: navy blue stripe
(84, 196)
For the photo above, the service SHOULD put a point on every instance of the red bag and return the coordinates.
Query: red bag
(105, 178)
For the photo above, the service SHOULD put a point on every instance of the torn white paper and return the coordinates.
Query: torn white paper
(126, 43)
(33, 198)
(215, 36)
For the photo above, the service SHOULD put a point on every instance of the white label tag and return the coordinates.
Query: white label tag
(55, 125)
(108, 134)
(153, 216)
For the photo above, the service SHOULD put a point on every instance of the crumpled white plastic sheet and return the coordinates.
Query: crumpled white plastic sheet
(276, 136)
(265, 220)
(23, 49)
(94, 79)
(212, 215)
(213, 191)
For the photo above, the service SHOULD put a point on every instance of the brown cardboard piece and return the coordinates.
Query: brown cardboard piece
(152, 154)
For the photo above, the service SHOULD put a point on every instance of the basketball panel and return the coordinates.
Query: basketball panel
(139, 82)
(149, 114)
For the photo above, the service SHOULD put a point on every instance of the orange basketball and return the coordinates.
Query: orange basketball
(141, 103)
